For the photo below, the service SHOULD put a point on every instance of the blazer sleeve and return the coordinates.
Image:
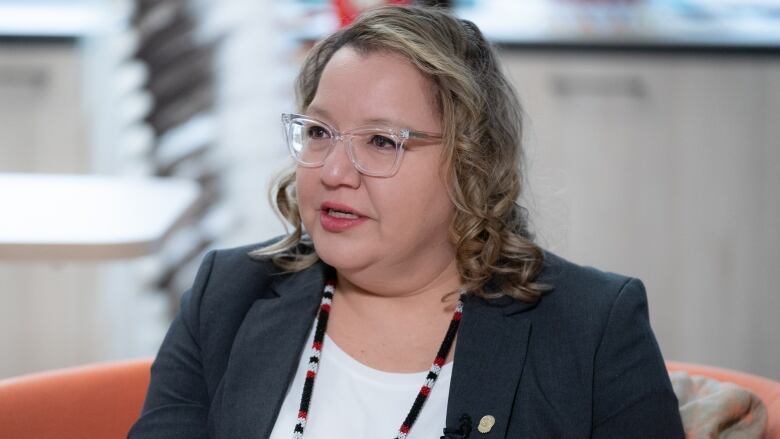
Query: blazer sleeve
(177, 401)
(631, 390)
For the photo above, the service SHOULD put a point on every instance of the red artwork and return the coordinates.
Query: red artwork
(347, 10)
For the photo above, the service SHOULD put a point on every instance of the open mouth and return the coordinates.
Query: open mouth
(337, 217)
(341, 214)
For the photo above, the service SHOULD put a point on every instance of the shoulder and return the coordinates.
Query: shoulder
(231, 272)
(583, 301)
(228, 281)
(592, 352)
(562, 273)
(588, 285)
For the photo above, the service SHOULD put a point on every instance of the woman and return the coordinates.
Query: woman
(410, 300)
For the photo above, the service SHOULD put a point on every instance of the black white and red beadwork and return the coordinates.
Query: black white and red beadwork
(314, 359)
(316, 352)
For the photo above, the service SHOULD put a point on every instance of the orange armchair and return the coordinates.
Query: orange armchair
(766, 389)
(103, 400)
(95, 401)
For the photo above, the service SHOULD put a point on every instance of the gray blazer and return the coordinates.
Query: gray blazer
(582, 362)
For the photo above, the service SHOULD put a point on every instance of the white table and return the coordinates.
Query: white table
(48, 217)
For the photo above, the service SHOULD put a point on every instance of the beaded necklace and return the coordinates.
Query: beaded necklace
(316, 351)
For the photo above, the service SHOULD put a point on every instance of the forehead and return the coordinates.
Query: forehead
(360, 88)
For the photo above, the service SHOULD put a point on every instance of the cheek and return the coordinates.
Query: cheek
(418, 203)
(305, 191)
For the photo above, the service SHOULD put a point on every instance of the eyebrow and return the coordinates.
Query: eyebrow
(323, 113)
(317, 111)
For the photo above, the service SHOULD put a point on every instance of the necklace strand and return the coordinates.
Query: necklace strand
(316, 353)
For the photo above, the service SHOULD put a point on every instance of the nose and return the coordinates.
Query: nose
(338, 169)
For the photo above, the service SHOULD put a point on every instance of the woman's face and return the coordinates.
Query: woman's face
(401, 221)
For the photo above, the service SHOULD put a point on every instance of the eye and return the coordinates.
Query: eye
(317, 132)
(382, 142)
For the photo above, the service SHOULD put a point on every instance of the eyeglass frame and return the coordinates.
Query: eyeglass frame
(400, 136)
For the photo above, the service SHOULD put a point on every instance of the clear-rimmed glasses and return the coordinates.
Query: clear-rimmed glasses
(374, 151)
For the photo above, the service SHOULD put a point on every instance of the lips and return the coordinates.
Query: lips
(337, 217)
(339, 214)
(340, 209)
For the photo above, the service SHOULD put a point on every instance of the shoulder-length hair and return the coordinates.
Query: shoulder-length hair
(482, 131)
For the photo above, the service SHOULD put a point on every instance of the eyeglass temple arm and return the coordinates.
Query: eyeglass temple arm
(421, 135)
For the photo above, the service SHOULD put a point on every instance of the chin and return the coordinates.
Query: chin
(344, 253)
(343, 260)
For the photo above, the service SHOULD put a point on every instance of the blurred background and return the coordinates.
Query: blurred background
(137, 134)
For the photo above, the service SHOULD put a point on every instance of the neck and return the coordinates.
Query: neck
(436, 290)
(394, 329)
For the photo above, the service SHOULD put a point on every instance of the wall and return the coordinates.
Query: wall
(665, 167)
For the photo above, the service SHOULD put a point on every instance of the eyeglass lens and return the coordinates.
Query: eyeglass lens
(373, 150)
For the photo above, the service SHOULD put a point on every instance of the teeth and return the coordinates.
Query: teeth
(338, 214)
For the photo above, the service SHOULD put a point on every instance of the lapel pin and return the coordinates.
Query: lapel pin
(486, 423)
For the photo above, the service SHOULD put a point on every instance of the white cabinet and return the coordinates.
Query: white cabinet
(47, 313)
(63, 314)
(665, 167)
(42, 127)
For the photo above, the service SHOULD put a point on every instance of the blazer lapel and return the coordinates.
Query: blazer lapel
(265, 355)
(489, 358)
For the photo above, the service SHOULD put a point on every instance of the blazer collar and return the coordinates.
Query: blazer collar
(489, 356)
(265, 354)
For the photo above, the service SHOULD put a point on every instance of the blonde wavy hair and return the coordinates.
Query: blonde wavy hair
(481, 122)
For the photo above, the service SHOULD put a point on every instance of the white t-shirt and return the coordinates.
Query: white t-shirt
(353, 401)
